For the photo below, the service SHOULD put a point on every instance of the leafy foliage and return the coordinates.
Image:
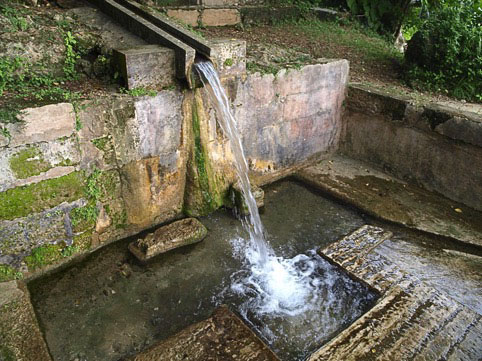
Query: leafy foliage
(383, 16)
(446, 53)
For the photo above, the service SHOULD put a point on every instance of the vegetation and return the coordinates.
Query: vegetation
(8, 273)
(28, 162)
(139, 92)
(33, 198)
(446, 53)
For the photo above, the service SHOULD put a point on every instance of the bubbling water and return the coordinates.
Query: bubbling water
(280, 296)
(280, 285)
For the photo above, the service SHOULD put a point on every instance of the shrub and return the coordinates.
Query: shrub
(446, 53)
(383, 16)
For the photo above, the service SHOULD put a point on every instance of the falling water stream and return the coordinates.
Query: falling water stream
(281, 296)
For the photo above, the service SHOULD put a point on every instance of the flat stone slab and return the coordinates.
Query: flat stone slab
(392, 200)
(177, 234)
(411, 320)
(43, 124)
(20, 337)
(222, 337)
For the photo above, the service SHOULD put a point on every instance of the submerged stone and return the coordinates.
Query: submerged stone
(177, 234)
(238, 201)
(223, 336)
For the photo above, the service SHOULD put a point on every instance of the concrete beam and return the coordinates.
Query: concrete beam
(151, 33)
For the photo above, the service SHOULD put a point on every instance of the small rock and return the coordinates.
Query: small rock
(103, 221)
(177, 234)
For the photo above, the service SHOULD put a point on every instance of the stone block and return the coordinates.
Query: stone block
(43, 124)
(177, 234)
(220, 17)
(189, 17)
(229, 57)
(239, 202)
(20, 336)
(223, 336)
(147, 66)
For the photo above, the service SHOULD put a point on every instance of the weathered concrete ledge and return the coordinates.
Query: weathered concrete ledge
(434, 145)
(174, 235)
(223, 336)
(389, 199)
(411, 320)
(151, 33)
(20, 336)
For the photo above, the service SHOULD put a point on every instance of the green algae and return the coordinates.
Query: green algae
(43, 256)
(33, 198)
(28, 163)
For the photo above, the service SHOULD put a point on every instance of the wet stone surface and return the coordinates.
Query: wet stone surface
(411, 321)
(174, 235)
(223, 336)
(111, 306)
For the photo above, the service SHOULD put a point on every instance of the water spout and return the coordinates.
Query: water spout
(227, 122)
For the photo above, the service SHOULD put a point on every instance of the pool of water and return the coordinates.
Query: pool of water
(110, 306)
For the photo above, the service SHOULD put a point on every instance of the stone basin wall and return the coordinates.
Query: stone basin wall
(76, 176)
(437, 146)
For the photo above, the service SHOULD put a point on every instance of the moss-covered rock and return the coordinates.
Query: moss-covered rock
(33, 198)
(28, 162)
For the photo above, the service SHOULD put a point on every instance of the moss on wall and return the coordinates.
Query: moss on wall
(33, 198)
(28, 162)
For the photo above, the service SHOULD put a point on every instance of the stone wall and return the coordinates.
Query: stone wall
(434, 145)
(75, 176)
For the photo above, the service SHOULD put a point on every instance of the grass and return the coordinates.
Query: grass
(8, 273)
(367, 43)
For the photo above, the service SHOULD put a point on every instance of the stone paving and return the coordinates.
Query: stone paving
(393, 200)
(411, 321)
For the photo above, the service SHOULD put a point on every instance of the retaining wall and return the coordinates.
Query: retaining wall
(433, 145)
(74, 178)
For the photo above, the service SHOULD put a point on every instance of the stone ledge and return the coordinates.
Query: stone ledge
(387, 198)
(43, 124)
(177, 234)
(443, 119)
(20, 336)
(411, 321)
(223, 336)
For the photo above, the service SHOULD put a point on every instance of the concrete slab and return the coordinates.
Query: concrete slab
(387, 198)
(411, 321)
(177, 234)
(20, 337)
(223, 336)
(148, 66)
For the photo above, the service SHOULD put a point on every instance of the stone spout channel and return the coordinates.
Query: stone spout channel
(156, 29)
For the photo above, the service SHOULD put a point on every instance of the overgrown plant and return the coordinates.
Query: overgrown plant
(446, 53)
(383, 16)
